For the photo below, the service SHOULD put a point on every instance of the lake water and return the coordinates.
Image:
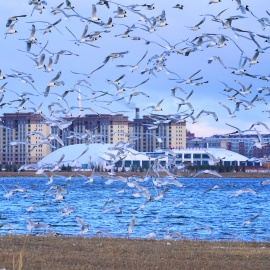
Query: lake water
(213, 215)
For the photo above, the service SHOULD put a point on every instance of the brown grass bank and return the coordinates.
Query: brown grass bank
(180, 174)
(48, 252)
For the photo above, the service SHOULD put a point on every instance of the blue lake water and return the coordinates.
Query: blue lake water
(213, 215)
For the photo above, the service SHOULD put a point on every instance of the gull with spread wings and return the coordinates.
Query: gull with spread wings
(155, 107)
(83, 39)
(134, 67)
(190, 80)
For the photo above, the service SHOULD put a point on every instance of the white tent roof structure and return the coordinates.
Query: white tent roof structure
(226, 155)
(81, 155)
(95, 154)
(72, 152)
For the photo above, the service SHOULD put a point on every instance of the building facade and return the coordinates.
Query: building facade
(242, 144)
(170, 135)
(20, 138)
(90, 128)
(28, 137)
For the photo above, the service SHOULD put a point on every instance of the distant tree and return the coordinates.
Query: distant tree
(7, 167)
(221, 169)
(11, 168)
(192, 168)
(14, 168)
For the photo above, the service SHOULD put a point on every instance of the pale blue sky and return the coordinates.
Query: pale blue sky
(205, 96)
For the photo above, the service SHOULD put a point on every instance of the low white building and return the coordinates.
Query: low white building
(86, 156)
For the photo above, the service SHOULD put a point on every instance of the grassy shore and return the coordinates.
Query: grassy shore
(49, 252)
(263, 174)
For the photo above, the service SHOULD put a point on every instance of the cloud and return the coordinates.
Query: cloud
(205, 129)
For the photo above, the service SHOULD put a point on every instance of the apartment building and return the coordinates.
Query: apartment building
(16, 144)
(167, 135)
(26, 136)
(93, 128)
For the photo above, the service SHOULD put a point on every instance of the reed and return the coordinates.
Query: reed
(48, 252)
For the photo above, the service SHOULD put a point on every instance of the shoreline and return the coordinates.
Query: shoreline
(49, 252)
(261, 174)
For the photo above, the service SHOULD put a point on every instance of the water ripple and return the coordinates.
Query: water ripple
(211, 215)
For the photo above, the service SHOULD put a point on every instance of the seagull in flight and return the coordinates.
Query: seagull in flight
(136, 66)
(31, 40)
(13, 19)
(190, 80)
(84, 228)
(216, 18)
(179, 6)
(243, 190)
(213, 159)
(231, 114)
(260, 123)
(131, 225)
(251, 219)
(114, 55)
(35, 225)
(75, 161)
(238, 131)
(89, 179)
(52, 83)
(207, 172)
(259, 49)
(185, 102)
(155, 107)
(83, 39)
(197, 26)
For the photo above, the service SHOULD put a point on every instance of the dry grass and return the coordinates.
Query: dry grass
(48, 252)
(181, 174)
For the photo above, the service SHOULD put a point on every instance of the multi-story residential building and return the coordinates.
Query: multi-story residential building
(26, 138)
(16, 144)
(167, 135)
(93, 128)
(114, 128)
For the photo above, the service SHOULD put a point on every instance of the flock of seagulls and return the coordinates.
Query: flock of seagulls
(141, 24)
(147, 190)
(64, 54)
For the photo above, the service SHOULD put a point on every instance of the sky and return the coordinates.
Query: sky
(174, 69)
